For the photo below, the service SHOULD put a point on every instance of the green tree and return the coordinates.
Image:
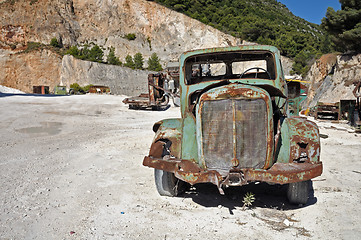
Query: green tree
(129, 62)
(153, 63)
(345, 25)
(95, 54)
(112, 59)
(138, 61)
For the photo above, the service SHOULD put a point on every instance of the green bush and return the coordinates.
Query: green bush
(87, 87)
(80, 90)
(130, 36)
(54, 42)
(76, 88)
(73, 50)
(31, 46)
(94, 54)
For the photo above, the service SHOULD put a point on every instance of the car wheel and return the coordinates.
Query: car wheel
(167, 184)
(297, 193)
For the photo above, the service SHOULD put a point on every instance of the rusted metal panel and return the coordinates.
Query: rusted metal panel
(280, 173)
(167, 130)
(300, 141)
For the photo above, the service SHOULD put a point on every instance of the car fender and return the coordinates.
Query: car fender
(299, 141)
(168, 133)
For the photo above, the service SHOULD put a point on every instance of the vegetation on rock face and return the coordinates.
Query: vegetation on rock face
(94, 54)
(31, 46)
(138, 61)
(112, 59)
(129, 62)
(54, 42)
(135, 62)
(262, 21)
(345, 25)
(130, 36)
(153, 63)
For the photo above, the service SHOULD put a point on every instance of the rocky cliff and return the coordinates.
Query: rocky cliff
(104, 22)
(331, 78)
(25, 70)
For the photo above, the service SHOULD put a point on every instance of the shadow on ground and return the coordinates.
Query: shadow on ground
(267, 196)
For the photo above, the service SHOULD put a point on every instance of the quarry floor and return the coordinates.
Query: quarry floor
(71, 168)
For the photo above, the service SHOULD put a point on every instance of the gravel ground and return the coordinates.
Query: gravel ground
(71, 168)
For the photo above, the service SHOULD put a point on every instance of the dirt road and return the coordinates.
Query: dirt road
(71, 168)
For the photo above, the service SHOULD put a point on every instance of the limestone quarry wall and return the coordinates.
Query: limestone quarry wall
(121, 80)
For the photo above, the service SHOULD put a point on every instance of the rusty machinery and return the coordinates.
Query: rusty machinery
(157, 97)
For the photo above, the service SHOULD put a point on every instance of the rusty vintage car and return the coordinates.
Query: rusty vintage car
(235, 126)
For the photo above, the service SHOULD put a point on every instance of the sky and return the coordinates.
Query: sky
(311, 10)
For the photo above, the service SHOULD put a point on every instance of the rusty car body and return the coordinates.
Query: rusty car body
(235, 126)
(327, 111)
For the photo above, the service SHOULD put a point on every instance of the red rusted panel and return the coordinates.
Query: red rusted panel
(280, 173)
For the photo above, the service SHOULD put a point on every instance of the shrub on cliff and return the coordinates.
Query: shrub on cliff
(74, 51)
(112, 59)
(54, 42)
(130, 36)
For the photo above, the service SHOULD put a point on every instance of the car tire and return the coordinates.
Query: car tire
(297, 193)
(167, 184)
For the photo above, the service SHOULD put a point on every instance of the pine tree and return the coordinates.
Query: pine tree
(129, 62)
(112, 59)
(138, 61)
(153, 63)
